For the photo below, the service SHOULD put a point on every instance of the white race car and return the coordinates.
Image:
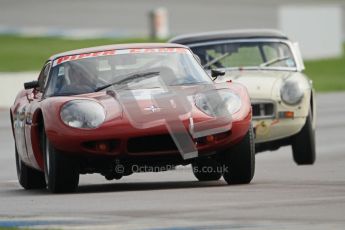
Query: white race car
(270, 66)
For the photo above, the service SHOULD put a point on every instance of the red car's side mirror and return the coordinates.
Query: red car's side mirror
(217, 73)
(31, 85)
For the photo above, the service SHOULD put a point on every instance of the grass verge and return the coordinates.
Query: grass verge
(327, 75)
(29, 54)
(7, 228)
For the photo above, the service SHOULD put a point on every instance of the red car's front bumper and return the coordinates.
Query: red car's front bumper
(121, 139)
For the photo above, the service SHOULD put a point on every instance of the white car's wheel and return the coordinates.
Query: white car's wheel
(303, 143)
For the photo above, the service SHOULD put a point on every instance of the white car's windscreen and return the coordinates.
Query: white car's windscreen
(245, 55)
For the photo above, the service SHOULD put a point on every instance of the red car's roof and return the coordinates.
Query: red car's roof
(117, 46)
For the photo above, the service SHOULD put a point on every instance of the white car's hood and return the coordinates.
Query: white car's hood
(260, 83)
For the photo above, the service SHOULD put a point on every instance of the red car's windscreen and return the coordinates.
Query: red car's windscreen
(85, 73)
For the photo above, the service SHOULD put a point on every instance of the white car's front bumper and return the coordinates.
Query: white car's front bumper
(275, 129)
(275, 120)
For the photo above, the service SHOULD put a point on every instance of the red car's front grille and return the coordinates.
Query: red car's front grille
(155, 143)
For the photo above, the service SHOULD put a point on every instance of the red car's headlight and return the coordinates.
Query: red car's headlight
(218, 102)
(83, 114)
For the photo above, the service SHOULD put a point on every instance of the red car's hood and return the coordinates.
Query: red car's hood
(150, 107)
(149, 96)
(153, 105)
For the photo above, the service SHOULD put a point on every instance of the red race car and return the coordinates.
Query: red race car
(121, 109)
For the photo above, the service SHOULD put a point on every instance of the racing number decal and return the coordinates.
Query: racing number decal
(171, 108)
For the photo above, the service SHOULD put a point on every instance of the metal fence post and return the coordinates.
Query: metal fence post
(159, 28)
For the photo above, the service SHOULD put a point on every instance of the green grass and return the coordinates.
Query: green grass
(29, 54)
(12, 228)
(17, 228)
(327, 75)
(26, 54)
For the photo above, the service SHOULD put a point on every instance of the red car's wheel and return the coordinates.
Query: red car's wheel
(29, 178)
(61, 172)
(206, 170)
(239, 162)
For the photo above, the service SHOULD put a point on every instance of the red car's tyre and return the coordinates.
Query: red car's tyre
(303, 144)
(239, 161)
(61, 171)
(29, 178)
(206, 170)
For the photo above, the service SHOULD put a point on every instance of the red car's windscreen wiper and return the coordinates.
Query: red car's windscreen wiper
(128, 77)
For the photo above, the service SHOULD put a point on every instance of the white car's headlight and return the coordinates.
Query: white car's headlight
(83, 114)
(218, 102)
(291, 93)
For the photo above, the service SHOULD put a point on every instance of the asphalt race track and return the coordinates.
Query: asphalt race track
(281, 196)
